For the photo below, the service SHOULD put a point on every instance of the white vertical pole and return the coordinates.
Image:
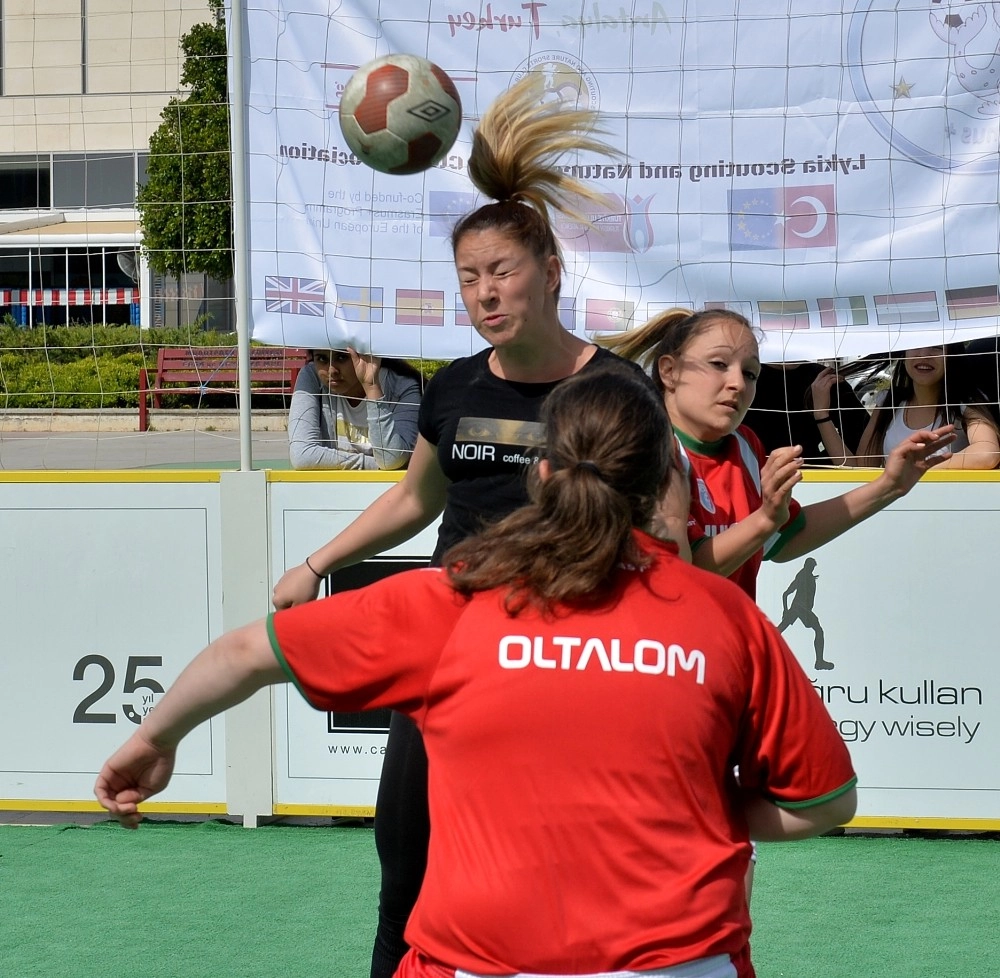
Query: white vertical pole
(246, 596)
(241, 224)
(144, 283)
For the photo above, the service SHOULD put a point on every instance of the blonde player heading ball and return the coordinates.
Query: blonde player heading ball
(479, 424)
(583, 695)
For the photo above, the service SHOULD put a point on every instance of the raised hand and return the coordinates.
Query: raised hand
(821, 387)
(917, 454)
(781, 473)
(366, 367)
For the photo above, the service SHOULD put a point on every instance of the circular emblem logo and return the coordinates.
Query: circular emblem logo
(926, 74)
(705, 497)
(566, 79)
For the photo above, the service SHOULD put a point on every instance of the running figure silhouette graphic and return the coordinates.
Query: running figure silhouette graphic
(803, 592)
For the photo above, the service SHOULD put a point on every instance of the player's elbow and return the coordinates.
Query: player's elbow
(837, 811)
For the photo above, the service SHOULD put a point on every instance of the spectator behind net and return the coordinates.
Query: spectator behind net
(928, 386)
(782, 412)
(351, 411)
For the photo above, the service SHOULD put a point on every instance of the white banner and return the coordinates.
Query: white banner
(893, 624)
(329, 763)
(830, 173)
(88, 652)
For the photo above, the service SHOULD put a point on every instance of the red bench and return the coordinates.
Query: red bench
(205, 370)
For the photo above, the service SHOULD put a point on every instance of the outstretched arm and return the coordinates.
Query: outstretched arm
(224, 674)
(983, 450)
(904, 468)
(400, 512)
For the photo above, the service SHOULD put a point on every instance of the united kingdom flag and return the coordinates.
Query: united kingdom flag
(295, 296)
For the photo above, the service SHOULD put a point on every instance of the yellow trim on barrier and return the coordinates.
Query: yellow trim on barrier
(149, 807)
(332, 475)
(943, 824)
(368, 811)
(338, 811)
(868, 475)
(72, 476)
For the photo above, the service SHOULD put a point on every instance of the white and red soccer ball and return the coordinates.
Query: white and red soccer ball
(400, 113)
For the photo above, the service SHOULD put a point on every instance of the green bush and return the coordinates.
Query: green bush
(93, 367)
(64, 344)
(99, 381)
(82, 366)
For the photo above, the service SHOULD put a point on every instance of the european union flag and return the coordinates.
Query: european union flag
(445, 208)
(756, 219)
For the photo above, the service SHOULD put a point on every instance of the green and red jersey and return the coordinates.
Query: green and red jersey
(725, 488)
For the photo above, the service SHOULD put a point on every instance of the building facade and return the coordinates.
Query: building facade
(82, 85)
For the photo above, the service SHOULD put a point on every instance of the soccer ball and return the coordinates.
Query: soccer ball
(400, 114)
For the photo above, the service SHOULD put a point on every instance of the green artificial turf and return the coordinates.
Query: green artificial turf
(192, 900)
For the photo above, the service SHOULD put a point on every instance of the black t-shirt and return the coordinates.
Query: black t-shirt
(487, 435)
(782, 412)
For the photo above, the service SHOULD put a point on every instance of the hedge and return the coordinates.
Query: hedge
(94, 367)
(88, 367)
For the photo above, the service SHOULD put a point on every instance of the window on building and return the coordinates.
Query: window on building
(56, 286)
(93, 180)
(14, 269)
(48, 268)
(25, 183)
(192, 298)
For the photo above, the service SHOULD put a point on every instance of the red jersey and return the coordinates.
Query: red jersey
(583, 809)
(725, 488)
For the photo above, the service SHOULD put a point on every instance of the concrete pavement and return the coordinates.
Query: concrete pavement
(103, 450)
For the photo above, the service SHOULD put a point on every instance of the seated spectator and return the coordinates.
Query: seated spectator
(928, 387)
(353, 412)
(782, 412)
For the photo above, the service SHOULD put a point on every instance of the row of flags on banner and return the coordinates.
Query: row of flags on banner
(889, 309)
(296, 296)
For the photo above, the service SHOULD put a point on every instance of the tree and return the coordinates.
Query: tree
(185, 208)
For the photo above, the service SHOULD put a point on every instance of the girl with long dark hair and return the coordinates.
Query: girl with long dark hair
(583, 694)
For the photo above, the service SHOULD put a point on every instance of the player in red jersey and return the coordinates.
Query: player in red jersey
(706, 365)
(583, 695)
